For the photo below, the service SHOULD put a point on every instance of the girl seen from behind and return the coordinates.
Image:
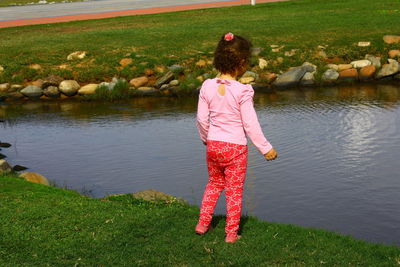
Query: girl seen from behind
(225, 116)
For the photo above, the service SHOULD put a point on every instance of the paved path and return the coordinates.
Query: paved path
(96, 9)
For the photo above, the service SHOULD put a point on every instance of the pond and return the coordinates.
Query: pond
(338, 167)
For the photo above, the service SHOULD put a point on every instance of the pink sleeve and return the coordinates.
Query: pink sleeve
(250, 122)
(203, 115)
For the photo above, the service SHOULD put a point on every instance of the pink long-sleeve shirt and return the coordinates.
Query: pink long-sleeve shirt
(231, 117)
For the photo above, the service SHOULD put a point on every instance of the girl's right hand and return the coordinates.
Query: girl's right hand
(271, 155)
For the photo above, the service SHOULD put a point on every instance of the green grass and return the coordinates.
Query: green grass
(185, 37)
(48, 226)
(4, 3)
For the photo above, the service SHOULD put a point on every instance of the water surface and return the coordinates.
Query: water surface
(338, 166)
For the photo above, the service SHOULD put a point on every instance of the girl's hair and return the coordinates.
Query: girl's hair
(232, 54)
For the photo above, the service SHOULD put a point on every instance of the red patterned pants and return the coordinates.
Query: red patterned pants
(227, 164)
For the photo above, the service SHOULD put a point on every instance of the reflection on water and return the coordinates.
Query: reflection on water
(338, 167)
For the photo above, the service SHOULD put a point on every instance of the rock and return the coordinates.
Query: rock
(250, 74)
(391, 39)
(149, 72)
(332, 66)
(69, 87)
(321, 54)
(18, 168)
(269, 77)
(290, 53)
(292, 77)
(156, 196)
(330, 75)
(164, 87)
(388, 69)
(4, 167)
(51, 91)
(138, 82)
(169, 76)
(201, 63)
(255, 51)
(147, 90)
(367, 72)
(125, 62)
(376, 61)
(15, 95)
(35, 66)
(262, 63)
(246, 80)
(106, 85)
(32, 91)
(308, 79)
(342, 67)
(76, 55)
(348, 75)
(34, 178)
(200, 78)
(89, 89)
(358, 64)
(5, 145)
(276, 48)
(38, 83)
(16, 87)
(4, 87)
(174, 83)
(364, 44)
(52, 80)
(160, 69)
(314, 67)
(176, 68)
(1, 68)
(394, 53)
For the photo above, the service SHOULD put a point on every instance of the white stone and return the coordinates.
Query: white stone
(357, 64)
(174, 83)
(89, 89)
(262, 63)
(314, 67)
(69, 87)
(76, 55)
(330, 75)
(332, 66)
(246, 80)
(308, 79)
(376, 61)
(364, 44)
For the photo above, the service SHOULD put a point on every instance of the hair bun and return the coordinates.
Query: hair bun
(229, 36)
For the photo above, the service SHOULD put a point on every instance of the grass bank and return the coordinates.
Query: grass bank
(48, 226)
(161, 40)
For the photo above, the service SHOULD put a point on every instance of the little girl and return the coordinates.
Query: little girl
(225, 115)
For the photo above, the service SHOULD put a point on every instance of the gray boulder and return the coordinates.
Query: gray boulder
(52, 80)
(32, 91)
(330, 75)
(169, 76)
(388, 69)
(292, 77)
(51, 91)
(376, 61)
(69, 87)
(308, 79)
(176, 68)
(4, 167)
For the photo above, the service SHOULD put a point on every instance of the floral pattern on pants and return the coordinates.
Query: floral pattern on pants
(227, 164)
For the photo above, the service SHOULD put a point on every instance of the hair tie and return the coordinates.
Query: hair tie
(229, 36)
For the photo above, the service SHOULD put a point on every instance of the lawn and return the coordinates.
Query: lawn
(48, 226)
(185, 37)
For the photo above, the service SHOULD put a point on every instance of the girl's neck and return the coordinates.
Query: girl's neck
(227, 77)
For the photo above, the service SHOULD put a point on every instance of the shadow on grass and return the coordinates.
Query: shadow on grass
(216, 220)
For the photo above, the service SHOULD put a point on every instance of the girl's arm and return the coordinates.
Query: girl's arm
(203, 113)
(250, 122)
